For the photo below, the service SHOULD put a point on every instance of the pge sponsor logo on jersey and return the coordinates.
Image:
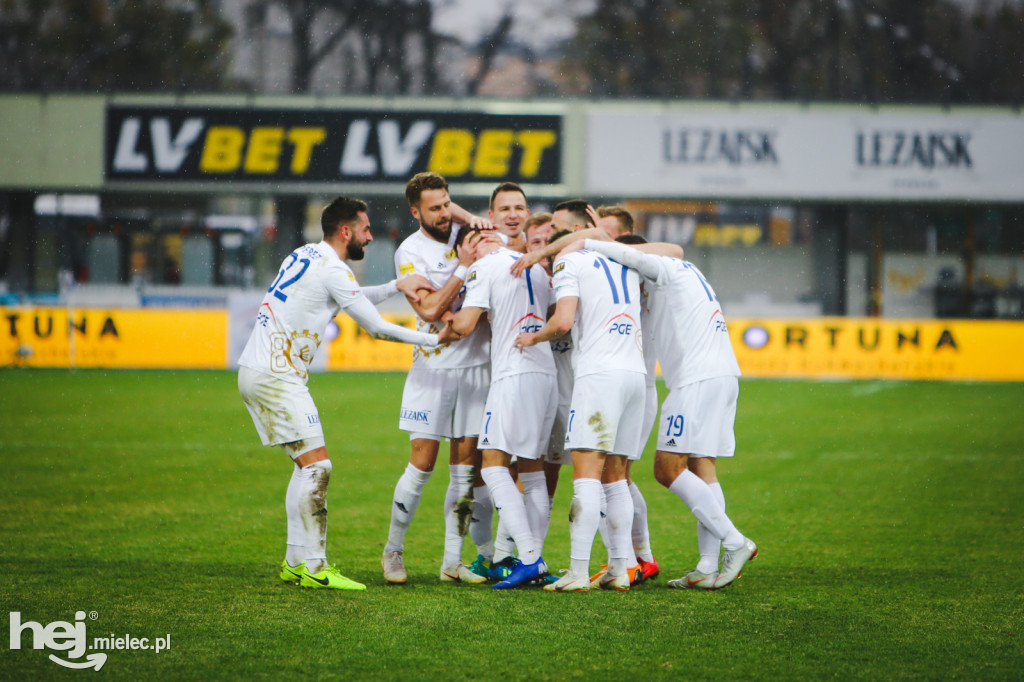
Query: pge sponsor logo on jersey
(622, 324)
(420, 416)
(530, 323)
(319, 145)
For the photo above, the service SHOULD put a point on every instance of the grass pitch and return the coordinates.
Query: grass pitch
(888, 516)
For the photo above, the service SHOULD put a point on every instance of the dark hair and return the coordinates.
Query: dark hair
(630, 239)
(505, 187)
(555, 236)
(341, 211)
(421, 182)
(464, 233)
(622, 215)
(578, 208)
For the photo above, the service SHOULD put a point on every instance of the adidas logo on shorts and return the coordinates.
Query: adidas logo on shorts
(485, 441)
(671, 442)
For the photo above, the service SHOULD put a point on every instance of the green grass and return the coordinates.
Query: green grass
(888, 514)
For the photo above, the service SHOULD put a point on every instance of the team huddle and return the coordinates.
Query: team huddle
(535, 348)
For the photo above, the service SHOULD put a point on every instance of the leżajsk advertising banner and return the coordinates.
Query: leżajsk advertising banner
(785, 153)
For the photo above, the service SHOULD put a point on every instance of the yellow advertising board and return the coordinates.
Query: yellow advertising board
(862, 348)
(96, 337)
(355, 350)
(839, 347)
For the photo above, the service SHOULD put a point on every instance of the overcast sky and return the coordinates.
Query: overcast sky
(536, 22)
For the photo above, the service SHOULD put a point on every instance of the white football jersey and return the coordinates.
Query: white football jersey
(514, 305)
(606, 334)
(561, 349)
(421, 255)
(691, 338)
(311, 287)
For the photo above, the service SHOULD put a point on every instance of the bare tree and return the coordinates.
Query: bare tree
(139, 46)
(386, 46)
(852, 50)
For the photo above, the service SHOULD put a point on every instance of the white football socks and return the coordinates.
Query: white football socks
(295, 553)
(641, 533)
(620, 523)
(482, 523)
(584, 516)
(538, 510)
(504, 545)
(710, 547)
(512, 510)
(603, 527)
(460, 484)
(403, 508)
(698, 497)
(306, 510)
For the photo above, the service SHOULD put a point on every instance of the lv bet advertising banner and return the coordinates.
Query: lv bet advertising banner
(309, 146)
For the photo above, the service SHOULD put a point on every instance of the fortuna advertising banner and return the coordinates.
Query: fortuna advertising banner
(311, 146)
(827, 347)
(782, 153)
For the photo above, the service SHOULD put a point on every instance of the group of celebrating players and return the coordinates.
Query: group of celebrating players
(535, 347)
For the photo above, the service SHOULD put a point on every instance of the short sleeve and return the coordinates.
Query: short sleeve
(565, 279)
(408, 263)
(541, 286)
(478, 288)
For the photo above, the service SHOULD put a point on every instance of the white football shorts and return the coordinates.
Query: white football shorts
(518, 415)
(444, 403)
(283, 412)
(699, 419)
(606, 413)
(556, 452)
(650, 416)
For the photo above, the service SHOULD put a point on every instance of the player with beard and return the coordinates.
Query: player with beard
(313, 285)
(446, 386)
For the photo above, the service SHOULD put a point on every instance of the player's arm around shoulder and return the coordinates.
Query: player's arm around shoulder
(661, 249)
(431, 304)
(477, 301)
(560, 322)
